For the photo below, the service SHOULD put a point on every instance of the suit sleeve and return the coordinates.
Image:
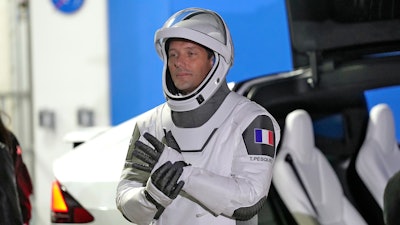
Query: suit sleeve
(130, 198)
(24, 181)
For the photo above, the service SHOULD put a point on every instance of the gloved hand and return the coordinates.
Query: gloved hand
(163, 186)
(156, 155)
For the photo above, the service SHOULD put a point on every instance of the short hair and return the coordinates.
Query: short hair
(210, 52)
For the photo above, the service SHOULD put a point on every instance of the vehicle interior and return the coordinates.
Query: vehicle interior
(342, 48)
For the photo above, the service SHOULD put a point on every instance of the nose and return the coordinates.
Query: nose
(178, 62)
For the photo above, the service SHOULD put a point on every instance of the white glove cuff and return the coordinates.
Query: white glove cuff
(157, 195)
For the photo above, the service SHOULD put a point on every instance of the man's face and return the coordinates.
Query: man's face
(188, 64)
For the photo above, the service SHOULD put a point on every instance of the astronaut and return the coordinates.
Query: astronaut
(205, 156)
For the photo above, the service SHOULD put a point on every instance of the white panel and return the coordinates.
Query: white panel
(70, 71)
(5, 48)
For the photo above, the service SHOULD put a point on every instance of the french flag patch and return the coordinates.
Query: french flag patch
(262, 136)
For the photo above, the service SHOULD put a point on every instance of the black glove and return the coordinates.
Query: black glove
(151, 155)
(163, 186)
(146, 153)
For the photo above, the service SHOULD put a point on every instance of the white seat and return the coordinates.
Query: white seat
(379, 155)
(317, 175)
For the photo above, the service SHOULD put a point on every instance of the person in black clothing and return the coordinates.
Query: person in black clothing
(391, 200)
(14, 175)
(10, 212)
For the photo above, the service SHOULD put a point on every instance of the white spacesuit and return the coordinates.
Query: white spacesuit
(227, 142)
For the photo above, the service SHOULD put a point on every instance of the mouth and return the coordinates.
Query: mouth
(183, 74)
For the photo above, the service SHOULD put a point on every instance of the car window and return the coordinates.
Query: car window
(330, 127)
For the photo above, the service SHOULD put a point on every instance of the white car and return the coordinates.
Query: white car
(87, 177)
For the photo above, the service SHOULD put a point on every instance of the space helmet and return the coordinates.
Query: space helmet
(208, 29)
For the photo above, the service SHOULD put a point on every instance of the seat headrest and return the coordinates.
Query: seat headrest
(381, 127)
(299, 135)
